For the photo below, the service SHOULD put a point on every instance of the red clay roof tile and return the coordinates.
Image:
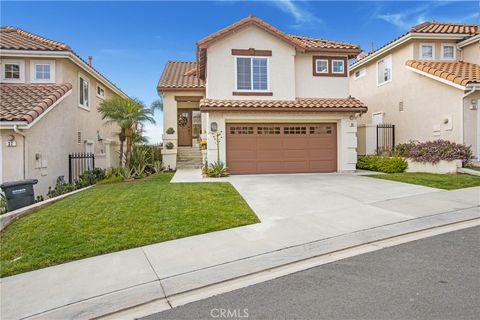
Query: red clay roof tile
(25, 102)
(180, 75)
(458, 72)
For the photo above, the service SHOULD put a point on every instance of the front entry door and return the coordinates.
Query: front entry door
(184, 125)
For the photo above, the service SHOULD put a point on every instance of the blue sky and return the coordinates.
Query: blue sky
(131, 41)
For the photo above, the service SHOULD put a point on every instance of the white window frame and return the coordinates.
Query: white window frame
(433, 51)
(316, 66)
(454, 51)
(21, 63)
(104, 92)
(390, 57)
(85, 78)
(343, 64)
(33, 71)
(362, 73)
(251, 74)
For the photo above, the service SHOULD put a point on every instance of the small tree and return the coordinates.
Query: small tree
(127, 113)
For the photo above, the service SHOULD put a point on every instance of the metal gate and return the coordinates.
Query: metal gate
(385, 137)
(78, 163)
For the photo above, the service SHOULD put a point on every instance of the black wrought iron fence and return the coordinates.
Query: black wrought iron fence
(385, 137)
(78, 163)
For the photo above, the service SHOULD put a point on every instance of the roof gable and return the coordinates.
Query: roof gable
(300, 43)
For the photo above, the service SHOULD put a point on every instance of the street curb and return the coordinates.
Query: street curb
(199, 284)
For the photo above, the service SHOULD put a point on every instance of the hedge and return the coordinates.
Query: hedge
(382, 164)
(434, 151)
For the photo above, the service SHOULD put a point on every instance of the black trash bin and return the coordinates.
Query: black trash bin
(19, 194)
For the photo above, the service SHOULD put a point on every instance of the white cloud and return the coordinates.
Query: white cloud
(154, 133)
(303, 18)
(415, 15)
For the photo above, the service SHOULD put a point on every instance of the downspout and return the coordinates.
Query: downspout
(18, 131)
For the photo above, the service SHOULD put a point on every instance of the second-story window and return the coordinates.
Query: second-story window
(321, 65)
(42, 71)
(384, 70)
(12, 70)
(338, 66)
(427, 51)
(448, 51)
(252, 74)
(83, 92)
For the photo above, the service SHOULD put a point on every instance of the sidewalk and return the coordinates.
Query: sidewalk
(100, 285)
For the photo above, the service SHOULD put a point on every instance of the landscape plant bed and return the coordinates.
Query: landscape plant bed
(119, 216)
(440, 181)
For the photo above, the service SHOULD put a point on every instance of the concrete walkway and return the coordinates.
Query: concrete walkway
(302, 216)
(185, 175)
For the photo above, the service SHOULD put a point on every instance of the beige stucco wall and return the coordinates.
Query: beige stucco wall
(346, 132)
(472, 123)
(427, 102)
(54, 136)
(309, 86)
(471, 53)
(221, 64)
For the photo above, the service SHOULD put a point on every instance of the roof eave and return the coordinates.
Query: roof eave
(273, 109)
(433, 77)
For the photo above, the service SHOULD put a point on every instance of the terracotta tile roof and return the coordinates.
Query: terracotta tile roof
(461, 73)
(180, 75)
(25, 102)
(299, 104)
(12, 38)
(318, 43)
(301, 43)
(445, 27)
(432, 27)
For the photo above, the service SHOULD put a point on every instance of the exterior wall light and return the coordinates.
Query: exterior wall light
(213, 127)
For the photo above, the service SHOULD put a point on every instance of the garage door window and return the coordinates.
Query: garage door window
(295, 130)
(321, 130)
(268, 130)
(241, 130)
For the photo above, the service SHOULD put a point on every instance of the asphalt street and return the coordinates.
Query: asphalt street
(433, 278)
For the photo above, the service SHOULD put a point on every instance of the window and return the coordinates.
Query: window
(42, 71)
(295, 130)
(252, 74)
(83, 93)
(13, 71)
(448, 51)
(241, 130)
(360, 73)
(384, 70)
(321, 129)
(338, 66)
(427, 51)
(321, 65)
(268, 130)
(100, 92)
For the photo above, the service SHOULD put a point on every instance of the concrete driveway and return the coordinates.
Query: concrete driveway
(297, 208)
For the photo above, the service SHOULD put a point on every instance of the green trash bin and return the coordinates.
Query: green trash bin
(19, 194)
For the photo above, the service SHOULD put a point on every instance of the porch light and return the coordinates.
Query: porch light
(213, 127)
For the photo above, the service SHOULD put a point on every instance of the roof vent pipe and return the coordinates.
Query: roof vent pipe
(90, 58)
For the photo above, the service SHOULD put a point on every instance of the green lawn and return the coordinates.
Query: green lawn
(440, 181)
(109, 218)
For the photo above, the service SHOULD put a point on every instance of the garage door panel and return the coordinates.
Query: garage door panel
(281, 148)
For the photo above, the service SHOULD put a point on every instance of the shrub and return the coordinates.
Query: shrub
(382, 164)
(434, 151)
(169, 145)
(3, 203)
(170, 131)
(111, 179)
(86, 179)
(215, 170)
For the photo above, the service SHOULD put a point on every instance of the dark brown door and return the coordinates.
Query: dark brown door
(281, 148)
(184, 127)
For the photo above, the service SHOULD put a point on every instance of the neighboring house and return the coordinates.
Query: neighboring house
(426, 83)
(281, 102)
(48, 109)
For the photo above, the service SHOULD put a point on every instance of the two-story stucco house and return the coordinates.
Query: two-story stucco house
(281, 102)
(48, 109)
(426, 82)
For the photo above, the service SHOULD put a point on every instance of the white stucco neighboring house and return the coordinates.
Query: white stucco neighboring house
(280, 102)
(48, 110)
(425, 82)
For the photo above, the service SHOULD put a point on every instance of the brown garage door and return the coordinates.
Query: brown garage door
(281, 148)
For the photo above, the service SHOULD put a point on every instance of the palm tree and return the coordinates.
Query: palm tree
(127, 113)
